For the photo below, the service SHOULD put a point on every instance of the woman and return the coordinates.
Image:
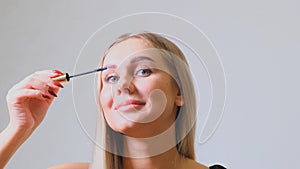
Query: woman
(147, 107)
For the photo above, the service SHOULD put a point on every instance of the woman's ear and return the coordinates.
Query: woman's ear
(179, 99)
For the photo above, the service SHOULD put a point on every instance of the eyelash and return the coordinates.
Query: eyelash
(108, 78)
(148, 72)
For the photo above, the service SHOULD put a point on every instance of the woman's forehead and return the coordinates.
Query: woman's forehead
(150, 57)
(136, 50)
(125, 49)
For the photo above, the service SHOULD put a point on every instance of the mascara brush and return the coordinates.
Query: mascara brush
(66, 77)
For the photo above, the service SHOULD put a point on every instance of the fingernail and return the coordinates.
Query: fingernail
(58, 84)
(45, 96)
(58, 72)
(52, 93)
(55, 75)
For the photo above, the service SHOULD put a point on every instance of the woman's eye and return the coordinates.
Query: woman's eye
(112, 79)
(143, 72)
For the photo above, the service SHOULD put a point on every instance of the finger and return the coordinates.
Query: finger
(57, 83)
(19, 96)
(56, 73)
(39, 81)
(48, 75)
(35, 77)
(50, 91)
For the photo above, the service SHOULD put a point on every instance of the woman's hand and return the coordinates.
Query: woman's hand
(29, 100)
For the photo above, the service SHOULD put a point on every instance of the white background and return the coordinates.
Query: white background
(258, 42)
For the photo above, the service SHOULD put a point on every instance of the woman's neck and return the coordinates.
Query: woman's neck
(169, 159)
(154, 152)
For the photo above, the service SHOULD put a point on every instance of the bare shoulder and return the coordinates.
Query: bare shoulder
(71, 166)
(192, 164)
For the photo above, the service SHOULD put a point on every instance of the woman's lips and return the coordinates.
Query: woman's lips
(130, 104)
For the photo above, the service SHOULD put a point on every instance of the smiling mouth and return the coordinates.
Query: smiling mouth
(129, 105)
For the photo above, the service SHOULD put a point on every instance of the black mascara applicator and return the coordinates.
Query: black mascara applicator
(66, 77)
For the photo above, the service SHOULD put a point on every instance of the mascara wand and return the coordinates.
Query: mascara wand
(66, 77)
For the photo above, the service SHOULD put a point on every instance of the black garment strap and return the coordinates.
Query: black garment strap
(217, 167)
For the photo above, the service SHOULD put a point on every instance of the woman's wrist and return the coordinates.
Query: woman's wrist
(19, 131)
(11, 138)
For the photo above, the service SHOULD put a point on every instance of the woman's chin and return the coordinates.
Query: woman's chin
(132, 129)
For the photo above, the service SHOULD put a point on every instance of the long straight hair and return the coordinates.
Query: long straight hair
(108, 139)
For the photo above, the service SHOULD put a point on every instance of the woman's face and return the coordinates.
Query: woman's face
(139, 97)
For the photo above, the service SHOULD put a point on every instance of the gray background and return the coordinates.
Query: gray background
(258, 42)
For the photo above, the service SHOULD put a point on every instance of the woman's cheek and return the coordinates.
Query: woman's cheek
(106, 99)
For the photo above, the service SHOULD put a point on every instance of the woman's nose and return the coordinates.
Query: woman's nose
(125, 86)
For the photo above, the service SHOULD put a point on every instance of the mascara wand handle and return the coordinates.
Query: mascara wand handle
(62, 78)
(66, 77)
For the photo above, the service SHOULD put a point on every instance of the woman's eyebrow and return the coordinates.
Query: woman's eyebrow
(141, 58)
(134, 60)
(111, 66)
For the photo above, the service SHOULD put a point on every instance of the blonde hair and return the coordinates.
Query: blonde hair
(186, 114)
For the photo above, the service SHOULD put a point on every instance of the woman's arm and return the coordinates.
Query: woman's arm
(28, 102)
(10, 140)
(72, 166)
